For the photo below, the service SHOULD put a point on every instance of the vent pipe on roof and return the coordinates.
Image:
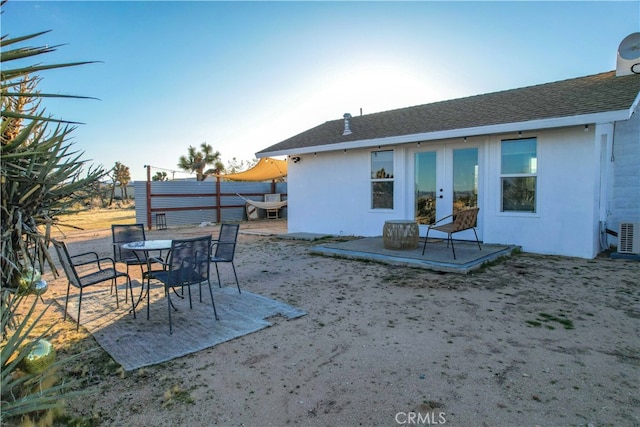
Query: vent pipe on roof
(347, 124)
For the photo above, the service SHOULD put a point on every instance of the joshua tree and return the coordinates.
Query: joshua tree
(121, 178)
(234, 165)
(197, 161)
(160, 176)
(41, 179)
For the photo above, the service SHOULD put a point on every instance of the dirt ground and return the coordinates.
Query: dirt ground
(531, 341)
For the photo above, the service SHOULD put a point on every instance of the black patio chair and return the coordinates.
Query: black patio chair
(94, 270)
(224, 249)
(127, 233)
(188, 264)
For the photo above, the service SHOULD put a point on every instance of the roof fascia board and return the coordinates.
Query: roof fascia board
(634, 106)
(605, 117)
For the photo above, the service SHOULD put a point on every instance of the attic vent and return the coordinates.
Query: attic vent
(347, 124)
(629, 238)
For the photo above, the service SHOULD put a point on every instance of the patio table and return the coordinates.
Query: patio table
(147, 246)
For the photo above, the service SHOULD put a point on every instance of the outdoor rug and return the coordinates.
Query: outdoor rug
(135, 343)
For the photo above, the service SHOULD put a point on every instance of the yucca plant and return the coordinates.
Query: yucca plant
(26, 393)
(42, 178)
(41, 175)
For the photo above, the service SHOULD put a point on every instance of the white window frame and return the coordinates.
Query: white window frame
(390, 179)
(533, 173)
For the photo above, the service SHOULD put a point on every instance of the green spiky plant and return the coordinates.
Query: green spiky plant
(42, 178)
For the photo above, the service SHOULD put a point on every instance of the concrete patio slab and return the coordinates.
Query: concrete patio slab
(303, 236)
(437, 257)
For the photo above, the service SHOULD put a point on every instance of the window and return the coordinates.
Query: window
(382, 179)
(519, 168)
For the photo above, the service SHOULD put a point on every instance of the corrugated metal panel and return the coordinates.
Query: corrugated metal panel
(203, 200)
(141, 201)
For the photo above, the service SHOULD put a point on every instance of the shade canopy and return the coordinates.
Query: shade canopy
(267, 169)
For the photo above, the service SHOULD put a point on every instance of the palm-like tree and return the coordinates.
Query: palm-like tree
(197, 161)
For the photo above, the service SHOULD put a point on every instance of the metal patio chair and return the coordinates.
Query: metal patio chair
(223, 250)
(94, 270)
(461, 221)
(127, 233)
(188, 265)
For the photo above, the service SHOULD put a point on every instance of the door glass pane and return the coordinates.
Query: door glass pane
(425, 193)
(465, 179)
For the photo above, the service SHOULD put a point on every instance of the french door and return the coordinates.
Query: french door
(446, 181)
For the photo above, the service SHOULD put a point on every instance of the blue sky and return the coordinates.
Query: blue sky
(242, 76)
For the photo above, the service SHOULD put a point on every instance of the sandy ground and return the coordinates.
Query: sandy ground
(532, 341)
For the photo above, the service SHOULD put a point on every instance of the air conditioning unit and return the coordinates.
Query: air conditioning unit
(629, 238)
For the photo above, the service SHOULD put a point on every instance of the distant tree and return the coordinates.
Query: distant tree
(160, 176)
(197, 161)
(121, 178)
(235, 166)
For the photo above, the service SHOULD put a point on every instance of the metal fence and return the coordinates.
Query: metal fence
(193, 202)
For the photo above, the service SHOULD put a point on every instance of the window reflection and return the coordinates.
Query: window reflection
(519, 167)
(382, 179)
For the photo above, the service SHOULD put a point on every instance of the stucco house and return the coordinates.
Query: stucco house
(552, 166)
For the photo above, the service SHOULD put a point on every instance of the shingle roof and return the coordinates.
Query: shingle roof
(574, 97)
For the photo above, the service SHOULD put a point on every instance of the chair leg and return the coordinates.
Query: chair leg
(452, 248)
(142, 273)
(218, 274)
(181, 294)
(477, 241)
(148, 294)
(215, 313)
(133, 306)
(234, 273)
(66, 301)
(168, 296)
(125, 289)
(79, 306)
(115, 283)
(425, 241)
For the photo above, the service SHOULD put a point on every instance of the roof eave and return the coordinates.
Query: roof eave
(556, 122)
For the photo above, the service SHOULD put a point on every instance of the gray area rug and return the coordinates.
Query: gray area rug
(135, 343)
